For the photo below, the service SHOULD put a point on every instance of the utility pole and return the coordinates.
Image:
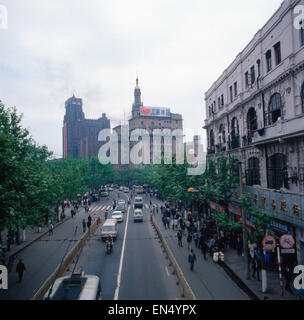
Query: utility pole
(245, 238)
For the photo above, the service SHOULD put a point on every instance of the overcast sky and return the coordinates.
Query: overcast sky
(95, 49)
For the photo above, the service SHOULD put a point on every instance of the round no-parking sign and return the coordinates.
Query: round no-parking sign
(269, 242)
(287, 241)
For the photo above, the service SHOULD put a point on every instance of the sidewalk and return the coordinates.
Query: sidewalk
(32, 235)
(235, 265)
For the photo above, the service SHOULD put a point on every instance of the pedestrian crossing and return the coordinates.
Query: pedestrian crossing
(100, 208)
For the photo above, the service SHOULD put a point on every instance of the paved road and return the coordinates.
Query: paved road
(144, 271)
(42, 257)
(209, 280)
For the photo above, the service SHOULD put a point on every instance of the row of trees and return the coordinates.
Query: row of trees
(31, 184)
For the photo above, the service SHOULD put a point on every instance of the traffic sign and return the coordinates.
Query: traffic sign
(288, 250)
(269, 242)
(287, 241)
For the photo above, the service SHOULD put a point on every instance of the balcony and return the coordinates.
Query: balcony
(211, 150)
(221, 147)
(281, 129)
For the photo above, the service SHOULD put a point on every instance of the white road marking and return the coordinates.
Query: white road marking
(121, 258)
(103, 207)
(109, 207)
(93, 209)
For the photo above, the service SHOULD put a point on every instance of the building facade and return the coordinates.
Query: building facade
(80, 135)
(150, 119)
(255, 112)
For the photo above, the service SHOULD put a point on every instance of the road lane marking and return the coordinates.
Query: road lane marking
(103, 207)
(121, 258)
(109, 207)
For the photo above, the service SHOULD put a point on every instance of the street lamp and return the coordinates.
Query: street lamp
(245, 238)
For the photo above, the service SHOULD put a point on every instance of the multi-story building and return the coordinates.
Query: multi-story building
(255, 112)
(80, 135)
(152, 118)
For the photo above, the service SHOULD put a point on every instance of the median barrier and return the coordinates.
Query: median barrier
(61, 268)
(187, 291)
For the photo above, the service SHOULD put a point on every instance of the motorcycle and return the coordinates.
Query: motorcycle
(109, 246)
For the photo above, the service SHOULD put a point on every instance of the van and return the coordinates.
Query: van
(109, 229)
(75, 287)
(138, 215)
(138, 202)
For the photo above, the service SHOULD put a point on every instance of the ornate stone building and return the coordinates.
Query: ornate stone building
(255, 112)
(80, 135)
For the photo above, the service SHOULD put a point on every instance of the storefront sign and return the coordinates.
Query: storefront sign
(280, 227)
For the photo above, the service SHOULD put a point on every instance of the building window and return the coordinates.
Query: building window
(235, 89)
(222, 136)
(277, 53)
(246, 79)
(235, 137)
(252, 74)
(302, 97)
(277, 173)
(211, 138)
(302, 35)
(219, 102)
(259, 67)
(253, 172)
(252, 122)
(275, 108)
(231, 94)
(268, 60)
(222, 100)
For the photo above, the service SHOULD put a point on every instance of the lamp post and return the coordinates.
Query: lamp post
(245, 238)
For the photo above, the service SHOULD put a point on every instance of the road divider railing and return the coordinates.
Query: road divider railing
(187, 291)
(61, 268)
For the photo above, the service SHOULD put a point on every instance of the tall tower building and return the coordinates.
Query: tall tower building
(137, 101)
(80, 135)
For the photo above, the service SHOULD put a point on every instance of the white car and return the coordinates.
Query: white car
(118, 215)
(138, 215)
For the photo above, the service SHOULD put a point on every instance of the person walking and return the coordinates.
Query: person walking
(180, 238)
(84, 225)
(195, 238)
(168, 222)
(288, 278)
(51, 227)
(20, 269)
(192, 259)
(164, 220)
(106, 214)
(256, 267)
(189, 241)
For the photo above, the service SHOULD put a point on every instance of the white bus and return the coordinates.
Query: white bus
(75, 287)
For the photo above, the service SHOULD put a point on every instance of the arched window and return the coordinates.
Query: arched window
(235, 134)
(277, 171)
(234, 127)
(302, 96)
(253, 171)
(222, 135)
(252, 122)
(275, 108)
(211, 138)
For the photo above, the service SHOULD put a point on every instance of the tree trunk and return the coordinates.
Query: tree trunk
(23, 235)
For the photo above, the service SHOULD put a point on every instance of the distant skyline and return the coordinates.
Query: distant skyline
(52, 50)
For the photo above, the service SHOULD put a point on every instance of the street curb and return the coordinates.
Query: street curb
(240, 283)
(187, 291)
(30, 243)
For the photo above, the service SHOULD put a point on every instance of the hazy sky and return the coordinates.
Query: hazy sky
(95, 49)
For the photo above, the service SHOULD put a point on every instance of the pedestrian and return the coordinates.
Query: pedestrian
(195, 238)
(191, 259)
(84, 225)
(288, 278)
(256, 267)
(90, 219)
(180, 238)
(89, 224)
(20, 269)
(267, 260)
(164, 220)
(51, 227)
(189, 240)
(168, 222)
(106, 215)
(204, 249)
